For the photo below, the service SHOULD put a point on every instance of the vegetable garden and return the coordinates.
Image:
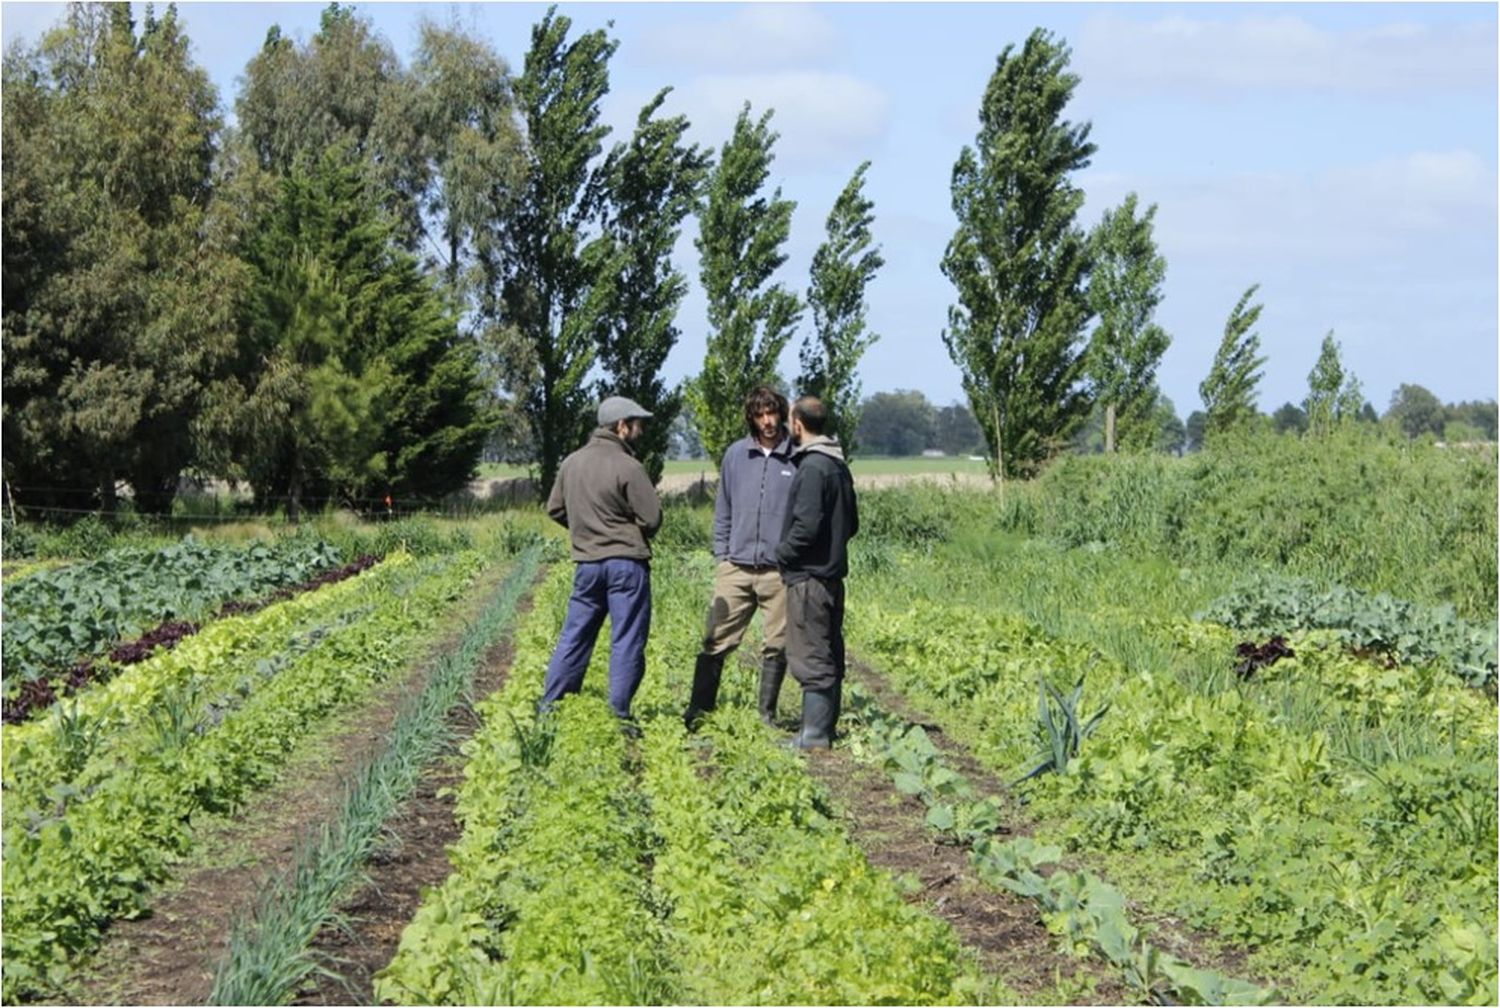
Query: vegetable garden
(1186, 783)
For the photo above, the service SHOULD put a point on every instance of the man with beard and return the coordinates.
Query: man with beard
(604, 498)
(821, 518)
(754, 482)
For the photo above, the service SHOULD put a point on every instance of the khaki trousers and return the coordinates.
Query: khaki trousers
(738, 593)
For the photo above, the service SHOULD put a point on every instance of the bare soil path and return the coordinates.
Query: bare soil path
(168, 956)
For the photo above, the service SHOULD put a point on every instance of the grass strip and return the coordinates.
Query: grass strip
(270, 954)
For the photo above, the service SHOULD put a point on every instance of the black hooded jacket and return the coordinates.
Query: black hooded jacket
(821, 517)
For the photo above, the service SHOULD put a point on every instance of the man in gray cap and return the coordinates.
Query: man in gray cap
(607, 503)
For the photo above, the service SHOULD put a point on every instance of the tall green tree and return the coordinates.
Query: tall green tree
(1019, 262)
(751, 319)
(545, 267)
(652, 184)
(1229, 390)
(119, 289)
(1333, 394)
(366, 387)
(1124, 290)
(842, 268)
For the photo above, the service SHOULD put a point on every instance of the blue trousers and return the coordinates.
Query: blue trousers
(620, 588)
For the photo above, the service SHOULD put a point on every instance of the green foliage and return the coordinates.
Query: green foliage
(652, 184)
(1229, 390)
(366, 387)
(119, 291)
(1019, 262)
(842, 268)
(1061, 728)
(740, 239)
(898, 423)
(544, 280)
(1332, 395)
(1405, 632)
(270, 951)
(88, 855)
(1124, 291)
(1354, 508)
(1415, 411)
(56, 617)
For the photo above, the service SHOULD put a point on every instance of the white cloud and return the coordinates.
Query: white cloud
(1285, 52)
(819, 116)
(753, 37)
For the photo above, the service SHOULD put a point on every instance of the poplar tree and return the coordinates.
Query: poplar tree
(1333, 394)
(1018, 261)
(1127, 346)
(652, 183)
(542, 268)
(1228, 392)
(751, 319)
(841, 269)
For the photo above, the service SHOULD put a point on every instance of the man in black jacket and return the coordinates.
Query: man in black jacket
(813, 555)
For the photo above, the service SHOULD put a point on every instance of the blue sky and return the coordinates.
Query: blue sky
(1343, 156)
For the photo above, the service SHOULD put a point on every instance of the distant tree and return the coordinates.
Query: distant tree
(740, 239)
(1415, 411)
(652, 184)
(1333, 394)
(1478, 417)
(1124, 291)
(1229, 390)
(682, 438)
(842, 267)
(544, 274)
(1194, 428)
(119, 285)
(1171, 437)
(897, 423)
(1289, 419)
(1019, 262)
(958, 432)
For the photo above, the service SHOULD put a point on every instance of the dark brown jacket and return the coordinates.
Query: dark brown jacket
(605, 500)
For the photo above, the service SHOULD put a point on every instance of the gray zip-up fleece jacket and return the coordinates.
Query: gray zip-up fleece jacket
(604, 498)
(822, 516)
(751, 504)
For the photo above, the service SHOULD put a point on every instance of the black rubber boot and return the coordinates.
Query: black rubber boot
(706, 674)
(819, 712)
(772, 672)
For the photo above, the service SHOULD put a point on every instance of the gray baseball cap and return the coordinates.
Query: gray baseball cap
(617, 408)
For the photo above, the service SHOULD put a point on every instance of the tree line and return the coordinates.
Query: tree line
(381, 271)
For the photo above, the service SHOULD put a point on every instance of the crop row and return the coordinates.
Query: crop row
(54, 618)
(1367, 875)
(687, 869)
(89, 832)
(1089, 912)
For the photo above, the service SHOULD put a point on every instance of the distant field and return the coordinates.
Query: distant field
(872, 466)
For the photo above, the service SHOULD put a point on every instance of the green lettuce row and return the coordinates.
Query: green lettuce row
(82, 742)
(549, 902)
(1366, 880)
(792, 913)
(66, 879)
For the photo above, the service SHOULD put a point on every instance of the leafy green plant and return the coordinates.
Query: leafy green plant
(1061, 728)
